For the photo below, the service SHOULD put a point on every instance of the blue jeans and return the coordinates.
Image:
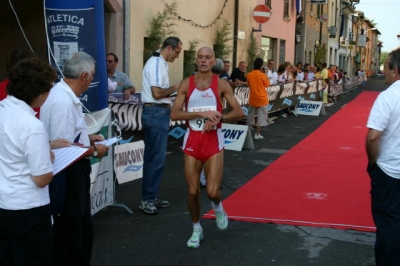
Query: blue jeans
(155, 120)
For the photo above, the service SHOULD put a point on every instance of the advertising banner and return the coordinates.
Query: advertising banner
(101, 177)
(237, 137)
(128, 161)
(118, 97)
(78, 26)
(312, 108)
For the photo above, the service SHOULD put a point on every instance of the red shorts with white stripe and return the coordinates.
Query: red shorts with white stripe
(202, 146)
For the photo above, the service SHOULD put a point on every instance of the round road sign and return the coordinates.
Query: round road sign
(261, 13)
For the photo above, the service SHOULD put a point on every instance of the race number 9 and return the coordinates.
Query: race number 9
(201, 122)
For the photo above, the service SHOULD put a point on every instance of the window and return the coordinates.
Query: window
(282, 48)
(286, 9)
(267, 48)
(268, 3)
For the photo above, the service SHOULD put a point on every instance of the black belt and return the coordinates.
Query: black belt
(166, 105)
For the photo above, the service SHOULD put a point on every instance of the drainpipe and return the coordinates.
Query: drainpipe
(235, 33)
(126, 40)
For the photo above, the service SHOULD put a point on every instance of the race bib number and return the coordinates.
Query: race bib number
(197, 124)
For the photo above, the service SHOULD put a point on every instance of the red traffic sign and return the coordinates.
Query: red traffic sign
(261, 13)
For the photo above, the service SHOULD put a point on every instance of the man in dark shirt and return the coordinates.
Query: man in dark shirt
(225, 72)
(238, 75)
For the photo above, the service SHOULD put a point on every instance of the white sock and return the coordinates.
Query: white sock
(197, 226)
(217, 208)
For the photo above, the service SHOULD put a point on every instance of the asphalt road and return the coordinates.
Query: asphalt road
(139, 239)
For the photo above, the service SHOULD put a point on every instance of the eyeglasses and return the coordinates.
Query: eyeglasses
(110, 61)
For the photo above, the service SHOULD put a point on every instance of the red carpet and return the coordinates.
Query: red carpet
(321, 182)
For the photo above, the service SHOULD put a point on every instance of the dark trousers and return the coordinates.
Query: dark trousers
(73, 228)
(25, 236)
(385, 202)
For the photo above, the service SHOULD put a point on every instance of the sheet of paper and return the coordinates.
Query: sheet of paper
(108, 142)
(65, 156)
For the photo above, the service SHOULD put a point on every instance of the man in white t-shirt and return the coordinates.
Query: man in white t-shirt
(383, 150)
(156, 90)
(63, 118)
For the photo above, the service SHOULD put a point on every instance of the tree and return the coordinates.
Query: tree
(221, 47)
(382, 60)
(190, 58)
(160, 27)
(253, 51)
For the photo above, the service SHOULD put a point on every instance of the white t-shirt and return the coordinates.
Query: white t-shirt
(274, 78)
(25, 152)
(155, 74)
(63, 117)
(385, 117)
(300, 76)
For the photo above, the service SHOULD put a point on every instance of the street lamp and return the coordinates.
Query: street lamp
(369, 30)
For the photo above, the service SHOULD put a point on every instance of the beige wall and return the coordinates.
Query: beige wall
(202, 13)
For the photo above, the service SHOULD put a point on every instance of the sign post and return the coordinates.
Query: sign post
(261, 14)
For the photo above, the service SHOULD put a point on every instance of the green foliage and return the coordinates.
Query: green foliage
(382, 60)
(253, 51)
(221, 47)
(320, 56)
(160, 28)
(190, 58)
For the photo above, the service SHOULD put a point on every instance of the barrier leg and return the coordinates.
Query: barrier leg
(115, 204)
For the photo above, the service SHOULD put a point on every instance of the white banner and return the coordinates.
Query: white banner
(128, 161)
(101, 177)
(312, 108)
(237, 137)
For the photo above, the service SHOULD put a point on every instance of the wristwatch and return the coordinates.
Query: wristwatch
(95, 151)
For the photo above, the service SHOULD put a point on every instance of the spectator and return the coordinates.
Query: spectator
(156, 90)
(281, 74)
(123, 82)
(63, 118)
(12, 59)
(306, 75)
(326, 83)
(25, 167)
(299, 71)
(225, 72)
(238, 75)
(311, 74)
(269, 69)
(382, 146)
(218, 67)
(258, 97)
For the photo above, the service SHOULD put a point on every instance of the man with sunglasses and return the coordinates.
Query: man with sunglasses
(124, 84)
(156, 91)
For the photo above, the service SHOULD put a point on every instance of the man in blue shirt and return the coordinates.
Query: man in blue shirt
(123, 82)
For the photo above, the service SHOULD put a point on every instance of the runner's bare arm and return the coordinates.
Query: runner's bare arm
(227, 93)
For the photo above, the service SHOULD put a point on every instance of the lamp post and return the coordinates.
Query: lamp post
(372, 29)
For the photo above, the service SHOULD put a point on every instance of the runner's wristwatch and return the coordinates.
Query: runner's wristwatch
(95, 151)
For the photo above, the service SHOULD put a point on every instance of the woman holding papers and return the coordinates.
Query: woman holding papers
(25, 167)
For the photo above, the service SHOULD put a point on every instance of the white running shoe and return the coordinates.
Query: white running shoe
(221, 219)
(257, 136)
(194, 240)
